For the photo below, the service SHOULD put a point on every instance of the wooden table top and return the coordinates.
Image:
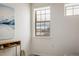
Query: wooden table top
(8, 41)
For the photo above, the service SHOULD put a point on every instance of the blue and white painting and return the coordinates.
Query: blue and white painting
(7, 27)
(8, 22)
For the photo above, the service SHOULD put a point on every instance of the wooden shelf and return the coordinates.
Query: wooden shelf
(4, 44)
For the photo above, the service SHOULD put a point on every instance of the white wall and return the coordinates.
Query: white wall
(64, 34)
(6, 11)
(22, 27)
(22, 15)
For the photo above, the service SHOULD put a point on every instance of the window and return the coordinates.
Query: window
(71, 9)
(42, 21)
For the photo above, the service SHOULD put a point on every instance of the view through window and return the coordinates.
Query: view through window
(71, 9)
(42, 21)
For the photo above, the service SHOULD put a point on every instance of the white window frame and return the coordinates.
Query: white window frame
(72, 8)
(35, 22)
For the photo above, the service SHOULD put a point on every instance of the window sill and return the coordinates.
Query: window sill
(41, 37)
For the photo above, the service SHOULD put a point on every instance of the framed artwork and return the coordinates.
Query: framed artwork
(7, 23)
(7, 28)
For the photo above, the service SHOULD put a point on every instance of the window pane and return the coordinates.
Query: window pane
(76, 11)
(38, 16)
(42, 33)
(38, 19)
(38, 24)
(42, 26)
(47, 16)
(37, 12)
(68, 4)
(47, 26)
(42, 11)
(69, 12)
(43, 17)
(76, 7)
(48, 11)
(68, 8)
(37, 27)
(45, 33)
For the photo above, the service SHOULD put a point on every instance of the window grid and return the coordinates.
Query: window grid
(43, 31)
(74, 9)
